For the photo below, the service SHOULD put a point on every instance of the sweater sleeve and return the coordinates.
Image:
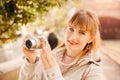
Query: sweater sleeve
(54, 73)
(30, 71)
(96, 73)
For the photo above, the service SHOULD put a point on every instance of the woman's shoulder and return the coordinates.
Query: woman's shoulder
(95, 73)
(96, 68)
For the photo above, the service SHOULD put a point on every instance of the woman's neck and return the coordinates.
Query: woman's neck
(67, 59)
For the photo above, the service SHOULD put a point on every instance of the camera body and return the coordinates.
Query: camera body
(36, 42)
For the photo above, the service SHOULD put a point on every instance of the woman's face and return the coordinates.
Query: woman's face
(75, 40)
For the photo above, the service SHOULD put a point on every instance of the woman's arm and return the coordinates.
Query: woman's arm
(30, 71)
(30, 68)
(54, 73)
(50, 64)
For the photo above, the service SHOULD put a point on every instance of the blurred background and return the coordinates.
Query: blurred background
(43, 17)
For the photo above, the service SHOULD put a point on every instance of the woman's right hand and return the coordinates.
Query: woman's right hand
(29, 54)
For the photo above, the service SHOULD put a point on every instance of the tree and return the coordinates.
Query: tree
(15, 13)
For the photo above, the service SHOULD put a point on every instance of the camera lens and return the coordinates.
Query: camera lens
(35, 43)
(28, 44)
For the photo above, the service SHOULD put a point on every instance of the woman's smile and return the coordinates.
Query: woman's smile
(72, 43)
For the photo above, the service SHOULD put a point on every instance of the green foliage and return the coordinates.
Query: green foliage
(15, 13)
(58, 17)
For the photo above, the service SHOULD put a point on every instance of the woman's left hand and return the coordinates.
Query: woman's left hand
(48, 59)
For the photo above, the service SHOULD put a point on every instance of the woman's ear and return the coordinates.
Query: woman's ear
(90, 41)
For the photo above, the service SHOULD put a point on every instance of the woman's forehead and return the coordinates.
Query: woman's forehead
(79, 27)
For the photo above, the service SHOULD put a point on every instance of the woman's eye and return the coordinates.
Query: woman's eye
(71, 29)
(82, 32)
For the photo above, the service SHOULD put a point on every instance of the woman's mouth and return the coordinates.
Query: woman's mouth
(72, 42)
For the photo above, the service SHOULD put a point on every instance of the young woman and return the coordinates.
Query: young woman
(75, 59)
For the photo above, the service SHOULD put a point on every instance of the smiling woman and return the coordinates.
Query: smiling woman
(74, 59)
(83, 28)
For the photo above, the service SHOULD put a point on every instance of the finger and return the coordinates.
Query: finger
(28, 51)
(44, 61)
(47, 50)
(48, 57)
(54, 57)
(47, 45)
(51, 55)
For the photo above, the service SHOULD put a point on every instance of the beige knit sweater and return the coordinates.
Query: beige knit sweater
(36, 71)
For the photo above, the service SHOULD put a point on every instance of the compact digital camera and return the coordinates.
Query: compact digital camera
(36, 42)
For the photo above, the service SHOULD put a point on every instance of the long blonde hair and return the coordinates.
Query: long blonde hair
(86, 21)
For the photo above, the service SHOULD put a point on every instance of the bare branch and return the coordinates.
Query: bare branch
(10, 26)
(15, 36)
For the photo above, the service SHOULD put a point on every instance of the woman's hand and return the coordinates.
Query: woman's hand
(47, 58)
(29, 54)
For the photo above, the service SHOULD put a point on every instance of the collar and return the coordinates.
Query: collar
(92, 57)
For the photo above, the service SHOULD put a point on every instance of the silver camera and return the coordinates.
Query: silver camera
(36, 42)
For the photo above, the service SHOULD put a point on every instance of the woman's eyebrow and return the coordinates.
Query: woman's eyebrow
(81, 30)
(70, 26)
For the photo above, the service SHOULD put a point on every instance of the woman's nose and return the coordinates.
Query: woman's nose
(74, 37)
